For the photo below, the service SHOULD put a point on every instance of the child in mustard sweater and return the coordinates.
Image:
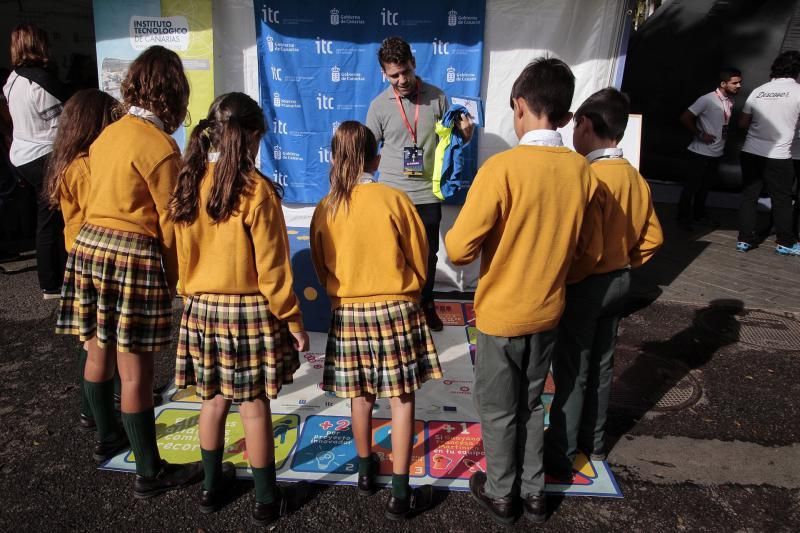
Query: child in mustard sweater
(121, 272)
(583, 359)
(85, 115)
(522, 216)
(241, 327)
(370, 252)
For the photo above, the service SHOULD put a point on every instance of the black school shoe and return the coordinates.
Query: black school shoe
(169, 477)
(421, 499)
(86, 423)
(500, 509)
(431, 317)
(213, 500)
(291, 498)
(103, 451)
(366, 483)
(535, 508)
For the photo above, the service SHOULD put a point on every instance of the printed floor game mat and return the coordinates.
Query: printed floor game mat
(314, 441)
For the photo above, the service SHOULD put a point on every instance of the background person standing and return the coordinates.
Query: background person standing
(707, 118)
(770, 116)
(35, 100)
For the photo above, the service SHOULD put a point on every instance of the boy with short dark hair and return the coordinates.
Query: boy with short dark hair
(583, 357)
(523, 216)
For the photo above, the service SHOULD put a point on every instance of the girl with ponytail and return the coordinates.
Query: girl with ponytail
(370, 252)
(241, 327)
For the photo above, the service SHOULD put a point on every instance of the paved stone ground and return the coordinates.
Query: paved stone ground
(703, 265)
(727, 463)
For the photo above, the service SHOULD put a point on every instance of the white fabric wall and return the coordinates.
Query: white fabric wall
(584, 34)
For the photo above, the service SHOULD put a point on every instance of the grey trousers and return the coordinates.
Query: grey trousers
(510, 373)
(583, 367)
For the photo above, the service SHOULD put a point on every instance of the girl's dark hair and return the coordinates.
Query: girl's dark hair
(85, 115)
(234, 124)
(30, 46)
(352, 148)
(156, 82)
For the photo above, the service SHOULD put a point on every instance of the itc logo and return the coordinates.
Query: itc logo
(279, 127)
(452, 17)
(324, 155)
(324, 46)
(281, 178)
(277, 154)
(270, 43)
(276, 73)
(324, 102)
(334, 17)
(440, 47)
(270, 15)
(389, 18)
(336, 74)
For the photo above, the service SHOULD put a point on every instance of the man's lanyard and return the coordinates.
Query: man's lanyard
(413, 132)
(726, 106)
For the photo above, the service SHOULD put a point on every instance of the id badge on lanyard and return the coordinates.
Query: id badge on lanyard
(413, 156)
(726, 113)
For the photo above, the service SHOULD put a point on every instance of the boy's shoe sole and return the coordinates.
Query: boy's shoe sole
(743, 247)
(786, 250)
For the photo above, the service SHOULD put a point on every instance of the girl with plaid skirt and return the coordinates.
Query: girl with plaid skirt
(370, 252)
(241, 327)
(122, 270)
(85, 115)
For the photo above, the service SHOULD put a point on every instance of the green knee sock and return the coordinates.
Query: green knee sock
(364, 465)
(141, 429)
(266, 483)
(101, 401)
(86, 407)
(400, 486)
(212, 467)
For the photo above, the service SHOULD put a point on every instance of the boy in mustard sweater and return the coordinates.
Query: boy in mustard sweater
(597, 290)
(523, 216)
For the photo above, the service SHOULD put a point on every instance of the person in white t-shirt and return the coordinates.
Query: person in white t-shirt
(707, 118)
(35, 100)
(770, 116)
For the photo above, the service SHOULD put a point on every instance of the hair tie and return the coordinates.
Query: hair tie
(204, 123)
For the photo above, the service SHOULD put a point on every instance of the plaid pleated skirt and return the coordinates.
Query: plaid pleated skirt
(233, 345)
(380, 348)
(115, 288)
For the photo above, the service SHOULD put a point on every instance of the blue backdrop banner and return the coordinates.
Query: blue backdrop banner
(318, 66)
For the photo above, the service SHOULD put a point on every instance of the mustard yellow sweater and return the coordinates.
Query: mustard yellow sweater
(523, 216)
(629, 229)
(373, 251)
(134, 166)
(73, 195)
(246, 254)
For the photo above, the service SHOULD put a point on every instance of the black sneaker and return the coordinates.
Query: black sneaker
(431, 317)
(500, 509)
(421, 499)
(213, 500)
(51, 294)
(291, 498)
(366, 483)
(535, 508)
(169, 477)
(103, 451)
